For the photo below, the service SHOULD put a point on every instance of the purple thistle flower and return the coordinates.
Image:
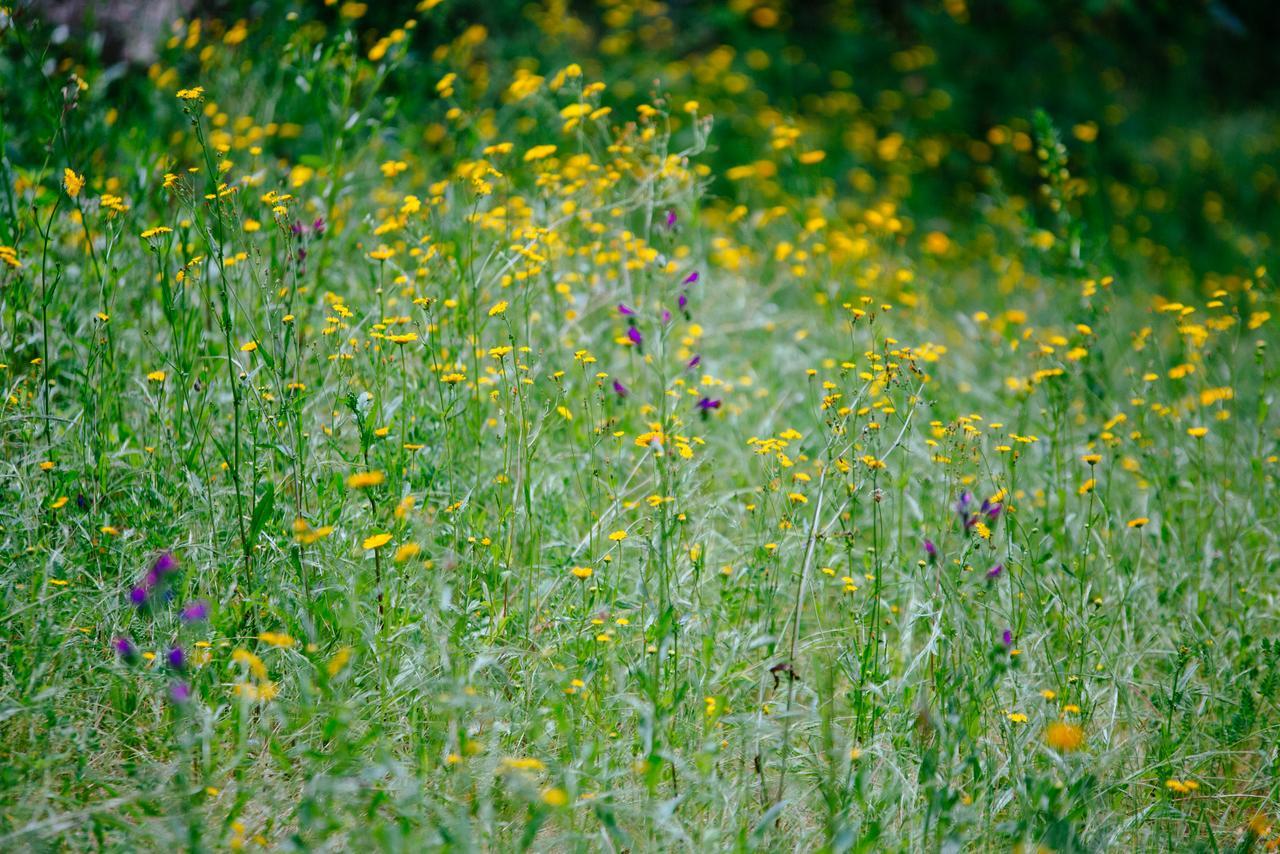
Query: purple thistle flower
(195, 612)
(995, 571)
(1007, 637)
(671, 219)
(625, 311)
(165, 564)
(931, 551)
(296, 228)
(318, 226)
(125, 649)
(176, 658)
(619, 389)
(694, 362)
(635, 337)
(691, 278)
(138, 596)
(179, 692)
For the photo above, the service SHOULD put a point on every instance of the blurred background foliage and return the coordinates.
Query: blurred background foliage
(1167, 109)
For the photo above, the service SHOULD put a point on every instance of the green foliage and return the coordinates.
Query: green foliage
(724, 426)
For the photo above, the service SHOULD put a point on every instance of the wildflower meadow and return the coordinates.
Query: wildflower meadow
(628, 425)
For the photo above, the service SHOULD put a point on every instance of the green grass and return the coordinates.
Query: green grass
(693, 610)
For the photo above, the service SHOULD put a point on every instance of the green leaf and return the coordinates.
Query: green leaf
(262, 512)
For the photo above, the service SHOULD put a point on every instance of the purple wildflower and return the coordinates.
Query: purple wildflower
(625, 310)
(195, 612)
(619, 389)
(316, 227)
(683, 302)
(125, 649)
(694, 362)
(962, 505)
(706, 404)
(176, 658)
(691, 278)
(165, 564)
(1007, 637)
(179, 692)
(671, 219)
(635, 337)
(931, 551)
(666, 316)
(991, 509)
(995, 571)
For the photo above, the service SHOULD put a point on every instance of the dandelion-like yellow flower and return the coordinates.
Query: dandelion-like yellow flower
(1064, 737)
(306, 535)
(366, 479)
(339, 661)
(376, 541)
(255, 665)
(265, 692)
(406, 552)
(72, 182)
(539, 152)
